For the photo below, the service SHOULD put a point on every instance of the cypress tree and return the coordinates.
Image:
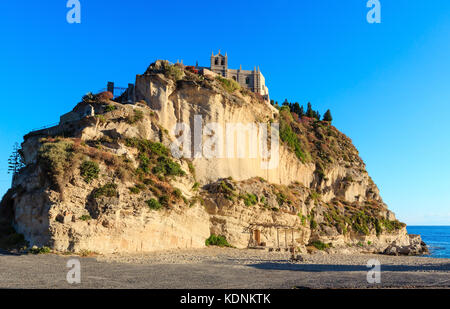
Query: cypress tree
(302, 112)
(296, 108)
(309, 111)
(317, 115)
(327, 116)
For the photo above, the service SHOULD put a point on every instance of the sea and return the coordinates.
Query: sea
(436, 237)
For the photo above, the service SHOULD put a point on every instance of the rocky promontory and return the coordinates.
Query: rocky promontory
(106, 179)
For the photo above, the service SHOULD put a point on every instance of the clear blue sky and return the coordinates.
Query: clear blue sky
(387, 85)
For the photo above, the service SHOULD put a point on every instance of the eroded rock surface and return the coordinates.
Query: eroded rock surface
(108, 182)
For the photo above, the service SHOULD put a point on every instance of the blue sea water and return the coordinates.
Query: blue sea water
(436, 237)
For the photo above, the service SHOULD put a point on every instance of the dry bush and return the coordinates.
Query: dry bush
(104, 96)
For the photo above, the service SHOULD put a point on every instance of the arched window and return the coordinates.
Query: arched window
(223, 61)
(216, 62)
(247, 80)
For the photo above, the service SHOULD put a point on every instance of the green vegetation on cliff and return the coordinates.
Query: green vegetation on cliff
(228, 84)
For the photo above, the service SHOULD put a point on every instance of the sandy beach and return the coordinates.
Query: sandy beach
(223, 268)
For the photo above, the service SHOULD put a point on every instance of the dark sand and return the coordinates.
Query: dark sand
(222, 268)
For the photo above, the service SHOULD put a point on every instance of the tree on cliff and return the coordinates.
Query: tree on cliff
(309, 111)
(15, 162)
(327, 116)
(297, 109)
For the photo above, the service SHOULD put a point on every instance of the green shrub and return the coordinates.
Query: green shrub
(42, 250)
(146, 146)
(148, 181)
(172, 71)
(392, 225)
(153, 204)
(320, 245)
(360, 222)
(229, 85)
(168, 167)
(56, 156)
(348, 178)
(195, 186)
(108, 190)
(85, 218)
(227, 190)
(177, 193)
(144, 167)
(136, 117)
(281, 199)
(110, 108)
(302, 219)
(378, 227)
(250, 199)
(134, 190)
(314, 196)
(191, 168)
(101, 118)
(89, 170)
(219, 241)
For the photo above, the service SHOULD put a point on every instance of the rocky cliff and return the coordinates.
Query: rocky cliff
(109, 181)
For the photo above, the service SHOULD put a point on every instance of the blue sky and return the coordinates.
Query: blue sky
(386, 84)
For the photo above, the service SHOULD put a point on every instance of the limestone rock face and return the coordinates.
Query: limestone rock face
(133, 195)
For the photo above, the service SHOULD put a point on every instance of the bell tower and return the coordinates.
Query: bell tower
(219, 63)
